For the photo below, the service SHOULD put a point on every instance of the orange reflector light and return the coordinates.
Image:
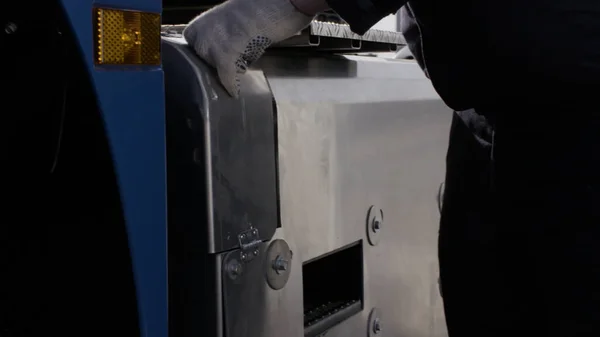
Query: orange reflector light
(126, 37)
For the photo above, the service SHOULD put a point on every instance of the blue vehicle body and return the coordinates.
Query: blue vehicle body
(131, 102)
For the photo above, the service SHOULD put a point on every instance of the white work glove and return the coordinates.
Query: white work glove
(236, 33)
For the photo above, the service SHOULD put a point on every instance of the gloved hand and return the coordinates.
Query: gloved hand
(236, 33)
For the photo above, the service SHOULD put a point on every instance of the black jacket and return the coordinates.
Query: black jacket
(481, 53)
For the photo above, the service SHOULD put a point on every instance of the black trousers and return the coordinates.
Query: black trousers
(519, 244)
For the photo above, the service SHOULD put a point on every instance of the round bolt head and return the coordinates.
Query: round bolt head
(234, 269)
(377, 326)
(280, 264)
(10, 28)
(376, 225)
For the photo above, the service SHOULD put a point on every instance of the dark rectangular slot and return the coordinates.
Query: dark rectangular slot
(333, 288)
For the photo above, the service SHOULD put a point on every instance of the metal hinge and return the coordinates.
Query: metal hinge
(249, 243)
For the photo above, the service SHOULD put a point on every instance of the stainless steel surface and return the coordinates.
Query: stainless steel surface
(355, 132)
(314, 42)
(233, 149)
(352, 132)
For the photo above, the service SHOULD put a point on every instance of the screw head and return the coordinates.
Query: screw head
(278, 260)
(280, 264)
(374, 327)
(376, 225)
(234, 268)
(377, 326)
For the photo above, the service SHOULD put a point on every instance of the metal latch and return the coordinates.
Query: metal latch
(249, 243)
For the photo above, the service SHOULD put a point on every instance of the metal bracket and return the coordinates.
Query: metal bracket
(327, 36)
(249, 243)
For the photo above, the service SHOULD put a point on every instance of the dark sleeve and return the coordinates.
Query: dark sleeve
(361, 15)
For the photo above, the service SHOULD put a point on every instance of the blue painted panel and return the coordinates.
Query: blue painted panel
(132, 104)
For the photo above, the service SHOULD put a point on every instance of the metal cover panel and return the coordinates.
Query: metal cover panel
(356, 132)
(353, 132)
(222, 161)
